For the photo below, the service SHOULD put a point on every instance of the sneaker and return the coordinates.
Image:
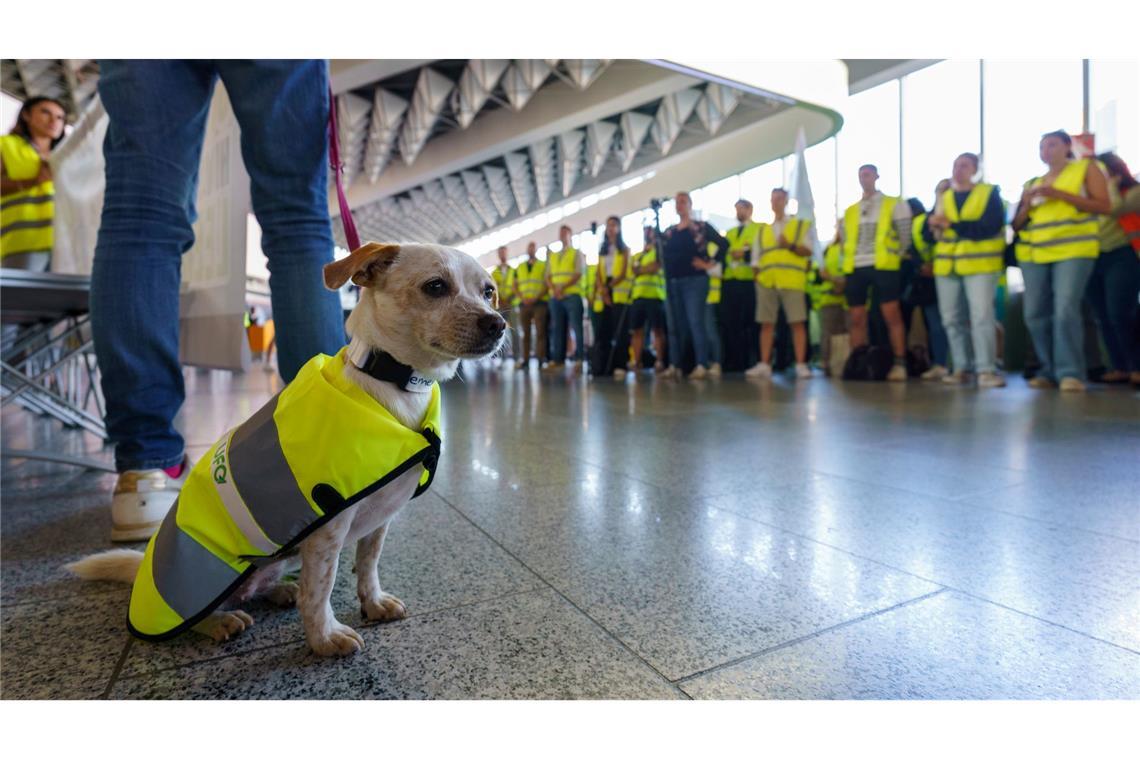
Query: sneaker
(699, 373)
(1072, 384)
(553, 367)
(897, 374)
(803, 372)
(619, 374)
(954, 378)
(763, 369)
(659, 368)
(937, 372)
(1041, 383)
(990, 380)
(715, 370)
(141, 500)
(671, 372)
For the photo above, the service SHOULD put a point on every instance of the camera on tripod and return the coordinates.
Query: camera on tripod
(656, 203)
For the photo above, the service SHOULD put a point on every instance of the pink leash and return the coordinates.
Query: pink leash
(350, 234)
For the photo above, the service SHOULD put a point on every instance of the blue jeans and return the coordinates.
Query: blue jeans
(712, 326)
(1112, 293)
(685, 304)
(158, 113)
(1053, 294)
(936, 331)
(967, 305)
(561, 309)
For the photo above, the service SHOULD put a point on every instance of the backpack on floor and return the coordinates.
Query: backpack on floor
(868, 363)
(917, 361)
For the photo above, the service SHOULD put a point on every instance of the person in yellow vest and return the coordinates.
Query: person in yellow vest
(564, 270)
(504, 277)
(922, 291)
(831, 303)
(1057, 217)
(738, 299)
(27, 207)
(714, 324)
(875, 232)
(647, 311)
(613, 286)
(780, 260)
(968, 227)
(530, 287)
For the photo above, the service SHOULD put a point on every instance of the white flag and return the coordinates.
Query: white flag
(800, 192)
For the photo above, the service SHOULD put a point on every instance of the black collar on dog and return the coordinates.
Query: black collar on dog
(385, 368)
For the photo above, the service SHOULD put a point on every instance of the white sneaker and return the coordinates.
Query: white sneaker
(671, 372)
(1041, 383)
(954, 378)
(1072, 384)
(803, 372)
(141, 500)
(715, 370)
(699, 373)
(897, 374)
(990, 380)
(619, 374)
(762, 369)
(937, 372)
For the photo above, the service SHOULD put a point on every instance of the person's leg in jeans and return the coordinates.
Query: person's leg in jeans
(541, 310)
(952, 309)
(576, 315)
(282, 108)
(675, 320)
(712, 332)
(1070, 279)
(979, 290)
(694, 294)
(157, 113)
(1112, 294)
(1038, 307)
(558, 328)
(939, 341)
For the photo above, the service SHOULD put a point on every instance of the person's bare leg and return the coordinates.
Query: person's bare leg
(858, 315)
(767, 338)
(892, 315)
(799, 341)
(659, 343)
(637, 345)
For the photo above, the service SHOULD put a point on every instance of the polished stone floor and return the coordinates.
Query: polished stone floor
(659, 540)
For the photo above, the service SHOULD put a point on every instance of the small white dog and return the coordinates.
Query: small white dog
(427, 307)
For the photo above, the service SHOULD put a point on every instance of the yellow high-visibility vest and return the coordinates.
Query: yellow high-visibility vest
(924, 249)
(1056, 230)
(318, 447)
(505, 282)
(714, 280)
(740, 237)
(782, 268)
(832, 263)
(953, 255)
(531, 279)
(886, 237)
(562, 268)
(648, 286)
(26, 217)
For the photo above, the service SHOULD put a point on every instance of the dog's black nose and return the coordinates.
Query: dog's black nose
(491, 325)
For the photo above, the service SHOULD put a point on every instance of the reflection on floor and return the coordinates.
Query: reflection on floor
(660, 540)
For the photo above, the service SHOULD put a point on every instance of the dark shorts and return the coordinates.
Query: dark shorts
(647, 313)
(887, 285)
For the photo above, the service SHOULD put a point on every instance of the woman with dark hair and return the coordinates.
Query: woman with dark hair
(1057, 218)
(1115, 280)
(26, 190)
(613, 286)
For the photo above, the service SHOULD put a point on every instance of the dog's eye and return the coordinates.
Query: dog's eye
(488, 292)
(436, 288)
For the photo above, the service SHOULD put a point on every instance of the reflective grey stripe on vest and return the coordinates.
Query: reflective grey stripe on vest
(794, 268)
(1060, 223)
(27, 225)
(264, 479)
(187, 576)
(27, 199)
(1063, 241)
(983, 255)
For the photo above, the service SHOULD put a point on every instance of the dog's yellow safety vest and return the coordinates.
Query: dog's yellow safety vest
(312, 451)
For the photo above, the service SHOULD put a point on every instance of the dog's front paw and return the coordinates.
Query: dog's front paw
(336, 641)
(383, 608)
(284, 594)
(220, 626)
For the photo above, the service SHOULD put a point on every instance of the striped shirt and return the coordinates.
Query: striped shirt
(869, 223)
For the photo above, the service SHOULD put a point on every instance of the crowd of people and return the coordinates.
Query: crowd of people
(743, 301)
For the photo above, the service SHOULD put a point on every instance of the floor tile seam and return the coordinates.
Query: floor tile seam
(613, 636)
(945, 586)
(812, 635)
(117, 669)
(301, 639)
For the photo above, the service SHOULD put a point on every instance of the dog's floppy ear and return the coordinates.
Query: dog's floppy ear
(363, 266)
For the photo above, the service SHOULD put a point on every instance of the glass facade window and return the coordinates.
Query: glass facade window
(756, 185)
(870, 135)
(1114, 108)
(941, 113)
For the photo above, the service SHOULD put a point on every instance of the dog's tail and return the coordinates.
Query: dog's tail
(120, 565)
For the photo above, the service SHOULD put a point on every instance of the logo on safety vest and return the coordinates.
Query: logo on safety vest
(218, 463)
